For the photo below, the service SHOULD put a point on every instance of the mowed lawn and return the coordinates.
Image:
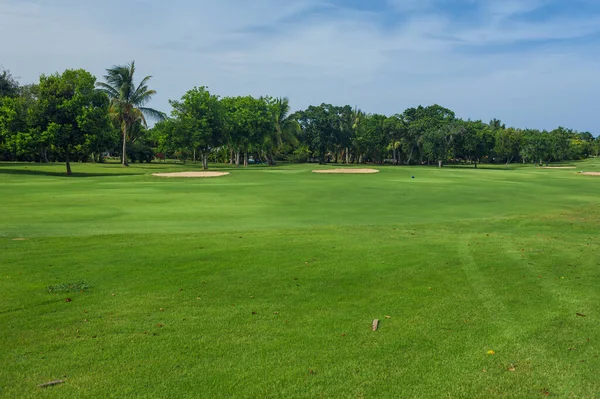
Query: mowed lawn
(264, 283)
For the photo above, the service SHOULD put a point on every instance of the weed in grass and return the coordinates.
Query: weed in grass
(80, 286)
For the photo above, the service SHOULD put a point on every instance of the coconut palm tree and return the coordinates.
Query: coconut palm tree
(353, 124)
(127, 101)
(286, 129)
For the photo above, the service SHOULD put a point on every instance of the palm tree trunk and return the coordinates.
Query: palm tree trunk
(124, 155)
(412, 149)
(245, 158)
(237, 158)
(204, 160)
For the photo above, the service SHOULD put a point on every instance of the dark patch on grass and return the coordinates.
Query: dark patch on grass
(70, 287)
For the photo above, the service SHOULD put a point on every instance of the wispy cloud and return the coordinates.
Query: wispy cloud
(529, 62)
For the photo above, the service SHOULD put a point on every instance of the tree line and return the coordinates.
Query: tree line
(73, 117)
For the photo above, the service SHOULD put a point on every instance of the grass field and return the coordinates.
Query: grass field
(265, 283)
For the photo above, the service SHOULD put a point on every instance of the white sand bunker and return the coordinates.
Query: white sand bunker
(191, 174)
(347, 171)
(591, 173)
(559, 167)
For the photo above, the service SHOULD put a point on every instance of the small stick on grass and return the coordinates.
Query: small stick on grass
(51, 384)
(375, 324)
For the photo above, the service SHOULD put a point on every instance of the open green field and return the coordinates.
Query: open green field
(265, 283)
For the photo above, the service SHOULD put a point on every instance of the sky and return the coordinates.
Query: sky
(530, 63)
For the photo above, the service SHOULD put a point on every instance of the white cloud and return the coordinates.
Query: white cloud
(316, 52)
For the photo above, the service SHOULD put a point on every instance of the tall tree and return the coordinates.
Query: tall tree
(373, 138)
(9, 87)
(199, 121)
(398, 135)
(477, 141)
(286, 127)
(69, 110)
(536, 146)
(127, 101)
(438, 143)
(422, 121)
(248, 120)
(508, 143)
(321, 126)
(560, 143)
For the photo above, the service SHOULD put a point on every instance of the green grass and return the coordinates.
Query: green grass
(264, 283)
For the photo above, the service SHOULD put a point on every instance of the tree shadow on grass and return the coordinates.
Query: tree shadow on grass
(485, 167)
(28, 172)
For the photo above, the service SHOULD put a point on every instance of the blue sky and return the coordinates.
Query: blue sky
(531, 63)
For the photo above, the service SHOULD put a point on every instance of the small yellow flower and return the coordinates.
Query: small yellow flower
(491, 352)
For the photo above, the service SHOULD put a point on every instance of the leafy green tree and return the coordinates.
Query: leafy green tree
(248, 120)
(19, 140)
(199, 122)
(496, 124)
(397, 130)
(477, 142)
(426, 122)
(582, 145)
(560, 143)
(438, 143)
(127, 101)
(69, 110)
(508, 144)
(536, 146)
(372, 138)
(9, 87)
(321, 126)
(164, 135)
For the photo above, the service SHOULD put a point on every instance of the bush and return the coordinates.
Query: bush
(300, 155)
(139, 151)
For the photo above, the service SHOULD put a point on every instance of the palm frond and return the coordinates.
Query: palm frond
(110, 91)
(143, 83)
(290, 131)
(152, 113)
(142, 98)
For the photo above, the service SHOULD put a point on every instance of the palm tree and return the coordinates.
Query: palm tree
(286, 127)
(127, 101)
(356, 118)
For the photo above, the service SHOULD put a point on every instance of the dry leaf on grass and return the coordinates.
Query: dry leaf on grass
(375, 324)
(51, 384)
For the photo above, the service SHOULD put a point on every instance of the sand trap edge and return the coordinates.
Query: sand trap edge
(559, 167)
(347, 171)
(590, 173)
(192, 174)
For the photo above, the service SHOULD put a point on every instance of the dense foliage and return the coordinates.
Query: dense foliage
(65, 118)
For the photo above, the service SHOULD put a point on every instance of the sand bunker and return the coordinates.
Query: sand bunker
(191, 174)
(351, 171)
(591, 173)
(20, 239)
(559, 167)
